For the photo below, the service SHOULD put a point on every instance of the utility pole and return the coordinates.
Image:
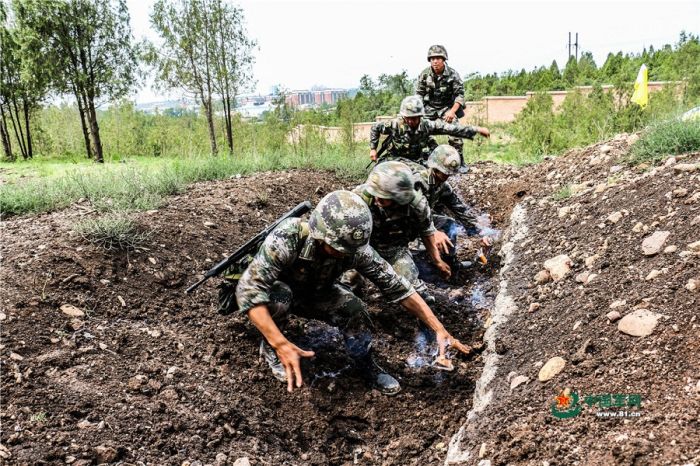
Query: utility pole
(569, 47)
(575, 44)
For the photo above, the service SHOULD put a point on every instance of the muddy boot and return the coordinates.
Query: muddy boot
(378, 377)
(273, 361)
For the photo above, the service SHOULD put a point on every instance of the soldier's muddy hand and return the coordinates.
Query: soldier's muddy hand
(442, 242)
(373, 154)
(446, 340)
(483, 131)
(444, 269)
(290, 356)
(449, 116)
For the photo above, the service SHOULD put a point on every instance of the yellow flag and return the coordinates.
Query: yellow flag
(641, 88)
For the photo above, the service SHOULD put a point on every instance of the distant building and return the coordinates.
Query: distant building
(317, 98)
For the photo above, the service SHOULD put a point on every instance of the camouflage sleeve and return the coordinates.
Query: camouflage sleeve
(462, 212)
(424, 218)
(278, 251)
(421, 87)
(377, 129)
(458, 89)
(371, 265)
(450, 129)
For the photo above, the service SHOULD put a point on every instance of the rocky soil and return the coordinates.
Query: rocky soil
(105, 360)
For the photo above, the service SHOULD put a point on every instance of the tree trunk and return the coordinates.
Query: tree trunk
(5, 136)
(83, 123)
(229, 125)
(30, 151)
(95, 132)
(210, 123)
(17, 127)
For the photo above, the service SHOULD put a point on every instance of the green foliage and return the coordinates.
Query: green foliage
(670, 137)
(562, 194)
(112, 232)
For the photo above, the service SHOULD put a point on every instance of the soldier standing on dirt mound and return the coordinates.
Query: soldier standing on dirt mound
(442, 92)
(296, 270)
(400, 214)
(409, 136)
(443, 163)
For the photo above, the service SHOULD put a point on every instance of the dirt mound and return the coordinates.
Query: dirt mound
(149, 375)
(142, 373)
(619, 399)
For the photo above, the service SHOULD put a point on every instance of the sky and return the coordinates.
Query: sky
(333, 43)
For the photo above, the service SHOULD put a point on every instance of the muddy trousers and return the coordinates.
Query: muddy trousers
(401, 260)
(336, 306)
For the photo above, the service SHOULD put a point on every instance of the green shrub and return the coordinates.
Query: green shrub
(670, 137)
(112, 232)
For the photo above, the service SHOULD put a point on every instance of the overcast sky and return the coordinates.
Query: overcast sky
(333, 43)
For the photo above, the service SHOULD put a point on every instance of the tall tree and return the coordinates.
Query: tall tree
(90, 47)
(233, 59)
(205, 51)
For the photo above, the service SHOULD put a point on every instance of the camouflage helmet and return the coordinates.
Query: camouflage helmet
(445, 158)
(437, 51)
(412, 106)
(342, 220)
(392, 180)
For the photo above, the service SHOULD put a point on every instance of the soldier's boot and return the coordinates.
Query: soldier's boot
(378, 377)
(272, 360)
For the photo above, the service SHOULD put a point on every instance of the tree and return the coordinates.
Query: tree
(87, 45)
(205, 51)
(233, 59)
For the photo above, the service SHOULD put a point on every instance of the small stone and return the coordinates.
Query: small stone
(519, 380)
(694, 246)
(551, 368)
(577, 325)
(638, 227)
(680, 192)
(670, 161)
(482, 451)
(16, 357)
(533, 307)
(70, 459)
(639, 323)
(589, 261)
(242, 461)
(653, 274)
(558, 266)
(152, 260)
(85, 424)
(76, 324)
(221, 458)
(136, 381)
(542, 277)
(600, 188)
(605, 148)
(615, 217)
(564, 211)
(686, 167)
(695, 221)
(632, 138)
(72, 311)
(440, 446)
(104, 281)
(616, 168)
(583, 277)
(652, 244)
(121, 301)
(591, 277)
(692, 285)
(670, 249)
(304, 456)
(675, 328)
(617, 303)
(3, 316)
(613, 316)
(210, 224)
(106, 454)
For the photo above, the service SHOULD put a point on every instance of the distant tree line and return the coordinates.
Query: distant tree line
(85, 49)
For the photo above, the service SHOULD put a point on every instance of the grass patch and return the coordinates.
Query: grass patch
(564, 193)
(670, 137)
(113, 232)
(143, 183)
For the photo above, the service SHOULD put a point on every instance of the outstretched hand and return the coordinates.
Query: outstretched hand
(484, 132)
(290, 356)
(442, 242)
(446, 340)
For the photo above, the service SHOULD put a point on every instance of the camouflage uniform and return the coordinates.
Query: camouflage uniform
(394, 228)
(439, 93)
(441, 197)
(415, 145)
(290, 272)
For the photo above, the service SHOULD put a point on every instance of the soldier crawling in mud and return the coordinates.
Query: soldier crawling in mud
(409, 137)
(400, 214)
(296, 270)
(444, 162)
(442, 92)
